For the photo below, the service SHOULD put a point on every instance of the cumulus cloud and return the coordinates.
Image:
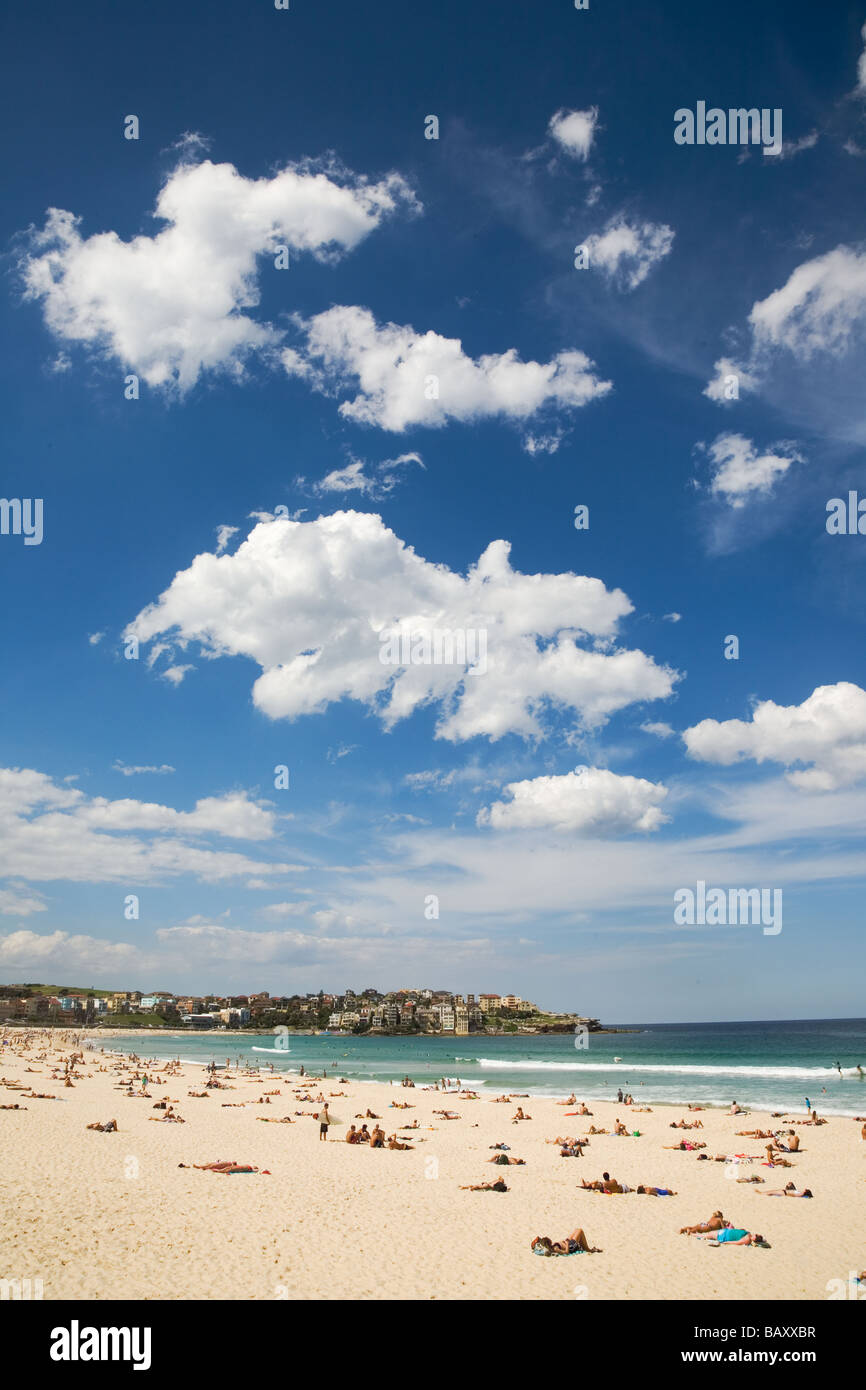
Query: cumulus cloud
(316, 604)
(56, 832)
(820, 311)
(627, 252)
(826, 733)
(658, 728)
(575, 131)
(407, 378)
(171, 306)
(591, 800)
(742, 471)
(63, 950)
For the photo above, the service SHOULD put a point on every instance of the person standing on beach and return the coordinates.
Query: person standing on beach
(324, 1121)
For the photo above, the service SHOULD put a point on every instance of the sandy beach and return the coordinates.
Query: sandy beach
(99, 1216)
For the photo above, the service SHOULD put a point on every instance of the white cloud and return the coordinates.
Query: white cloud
(590, 799)
(308, 601)
(384, 478)
(861, 65)
(740, 470)
(95, 638)
(790, 148)
(409, 378)
(16, 904)
(627, 253)
(52, 832)
(658, 728)
(818, 309)
(543, 443)
(721, 386)
(673, 617)
(224, 535)
(134, 771)
(175, 674)
(826, 733)
(171, 306)
(575, 130)
(60, 949)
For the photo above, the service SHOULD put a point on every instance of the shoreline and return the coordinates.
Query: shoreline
(555, 1095)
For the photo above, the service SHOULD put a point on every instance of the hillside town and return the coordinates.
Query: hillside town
(370, 1011)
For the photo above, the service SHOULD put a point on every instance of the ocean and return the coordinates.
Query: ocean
(767, 1066)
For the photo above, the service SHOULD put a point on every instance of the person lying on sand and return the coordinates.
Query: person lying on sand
(447, 1114)
(572, 1100)
(498, 1186)
(696, 1107)
(394, 1143)
(199, 1095)
(13, 1107)
(414, 1125)
(754, 1133)
(400, 1105)
(224, 1167)
(500, 1100)
(684, 1144)
(716, 1223)
(754, 1178)
(504, 1159)
(110, 1127)
(574, 1244)
(574, 1150)
(731, 1235)
(696, 1124)
(645, 1191)
(592, 1130)
(272, 1120)
(789, 1190)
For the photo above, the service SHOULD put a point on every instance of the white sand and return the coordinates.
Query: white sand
(107, 1216)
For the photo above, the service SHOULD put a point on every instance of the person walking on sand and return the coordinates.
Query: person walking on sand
(324, 1121)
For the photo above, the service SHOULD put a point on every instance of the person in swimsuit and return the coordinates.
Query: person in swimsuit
(789, 1190)
(715, 1223)
(573, 1244)
(732, 1235)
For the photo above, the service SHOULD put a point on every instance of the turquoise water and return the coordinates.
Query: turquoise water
(763, 1065)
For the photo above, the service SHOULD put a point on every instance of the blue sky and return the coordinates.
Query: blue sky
(296, 407)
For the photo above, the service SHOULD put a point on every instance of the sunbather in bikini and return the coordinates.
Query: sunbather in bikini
(574, 1244)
